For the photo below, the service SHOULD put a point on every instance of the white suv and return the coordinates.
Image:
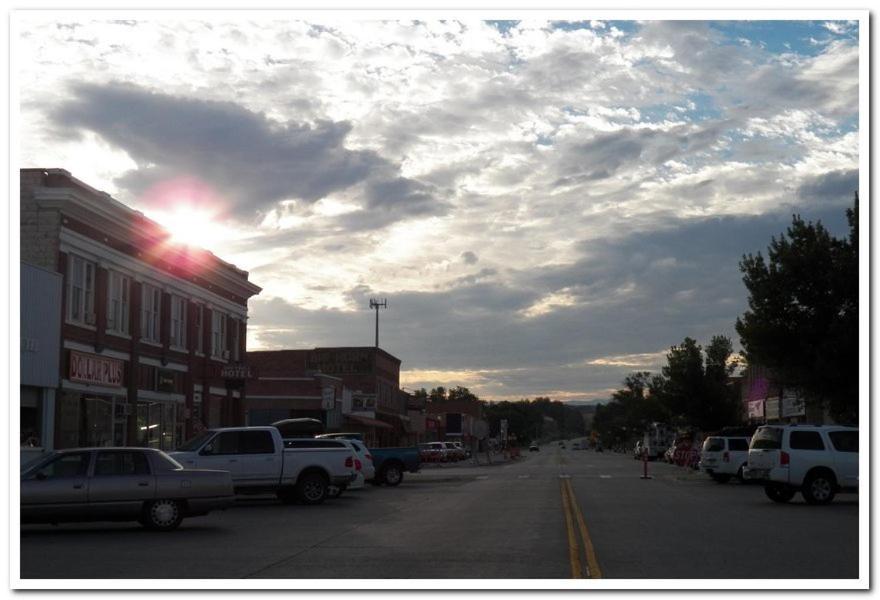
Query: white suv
(817, 460)
(724, 457)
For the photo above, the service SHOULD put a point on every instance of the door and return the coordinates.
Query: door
(58, 490)
(120, 483)
(223, 453)
(807, 451)
(846, 456)
(260, 463)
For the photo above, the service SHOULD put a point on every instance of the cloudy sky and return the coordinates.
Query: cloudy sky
(546, 205)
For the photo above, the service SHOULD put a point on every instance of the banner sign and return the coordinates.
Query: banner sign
(756, 409)
(792, 406)
(91, 368)
(771, 408)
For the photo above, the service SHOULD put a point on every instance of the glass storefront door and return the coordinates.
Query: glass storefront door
(159, 424)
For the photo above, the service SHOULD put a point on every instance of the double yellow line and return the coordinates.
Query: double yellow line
(589, 569)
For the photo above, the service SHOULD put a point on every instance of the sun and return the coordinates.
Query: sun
(191, 226)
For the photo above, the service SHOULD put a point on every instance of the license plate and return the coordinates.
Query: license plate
(759, 473)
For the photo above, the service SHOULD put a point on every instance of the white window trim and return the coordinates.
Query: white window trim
(125, 308)
(222, 320)
(181, 304)
(154, 293)
(82, 321)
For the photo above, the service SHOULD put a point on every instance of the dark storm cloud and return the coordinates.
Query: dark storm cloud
(636, 294)
(835, 188)
(469, 258)
(253, 160)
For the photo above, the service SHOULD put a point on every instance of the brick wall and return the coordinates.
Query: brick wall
(40, 229)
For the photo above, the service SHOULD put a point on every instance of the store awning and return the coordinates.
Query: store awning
(369, 422)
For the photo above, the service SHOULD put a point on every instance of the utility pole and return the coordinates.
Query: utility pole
(376, 304)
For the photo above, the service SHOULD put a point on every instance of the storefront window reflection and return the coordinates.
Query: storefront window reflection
(159, 424)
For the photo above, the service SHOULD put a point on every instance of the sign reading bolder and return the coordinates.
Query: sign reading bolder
(91, 368)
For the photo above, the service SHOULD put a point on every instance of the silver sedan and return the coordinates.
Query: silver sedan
(120, 484)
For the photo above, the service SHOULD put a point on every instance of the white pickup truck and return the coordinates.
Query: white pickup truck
(260, 461)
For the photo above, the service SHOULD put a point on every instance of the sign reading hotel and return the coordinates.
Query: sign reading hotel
(91, 368)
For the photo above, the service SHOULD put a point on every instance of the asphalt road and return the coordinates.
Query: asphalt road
(555, 514)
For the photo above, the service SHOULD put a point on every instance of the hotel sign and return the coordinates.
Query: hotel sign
(91, 368)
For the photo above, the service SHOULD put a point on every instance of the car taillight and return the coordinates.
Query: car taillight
(368, 456)
(348, 462)
(784, 459)
(726, 457)
(357, 464)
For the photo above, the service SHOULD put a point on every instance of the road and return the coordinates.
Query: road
(555, 514)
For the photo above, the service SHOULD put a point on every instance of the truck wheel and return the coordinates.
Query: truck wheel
(739, 474)
(819, 488)
(392, 475)
(311, 488)
(162, 515)
(779, 493)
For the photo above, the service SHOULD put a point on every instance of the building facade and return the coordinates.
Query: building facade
(153, 333)
(367, 390)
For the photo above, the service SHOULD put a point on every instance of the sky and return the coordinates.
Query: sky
(546, 205)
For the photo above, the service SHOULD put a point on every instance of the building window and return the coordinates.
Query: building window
(118, 290)
(81, 291)
(200, 328)
(234, 350)
(150, 313)
(218, 335)
(178, 322)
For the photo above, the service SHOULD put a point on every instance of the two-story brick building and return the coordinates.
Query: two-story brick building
(153, 333)
(370, 389)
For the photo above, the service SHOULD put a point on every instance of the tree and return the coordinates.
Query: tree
(802, 320)
(437, 394)
(461, 393)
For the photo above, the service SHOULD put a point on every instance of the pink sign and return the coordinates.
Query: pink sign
(91, 368)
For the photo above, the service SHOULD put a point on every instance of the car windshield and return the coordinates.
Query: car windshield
(196, 442)
(767, 438)
(713, 444)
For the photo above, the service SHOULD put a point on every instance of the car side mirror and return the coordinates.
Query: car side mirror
(209, 449)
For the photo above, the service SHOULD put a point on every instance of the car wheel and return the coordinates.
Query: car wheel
(720, 478)
(779, 493)
(312, 488)
(162, 515)
(819, 488)
(739, 474)
(392, 475)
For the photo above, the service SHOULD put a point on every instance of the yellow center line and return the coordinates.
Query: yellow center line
(593, 570)
(573, 555)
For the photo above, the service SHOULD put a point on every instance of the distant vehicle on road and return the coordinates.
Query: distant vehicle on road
(818, 461)
(656, 440)
(260, 460)
(120, 484)
(533, 447)
(724, 457)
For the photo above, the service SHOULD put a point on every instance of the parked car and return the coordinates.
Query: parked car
(533, 447)
(455, 452)
(818, 461)
(120, 484)
(334, 491)
(392, 463)
(724, 457)
(434, 452)
(260, 461)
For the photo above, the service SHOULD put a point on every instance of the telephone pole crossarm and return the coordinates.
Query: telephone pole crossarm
(377, 305)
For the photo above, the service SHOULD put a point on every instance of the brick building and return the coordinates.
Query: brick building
(365, 381)
(153, 334)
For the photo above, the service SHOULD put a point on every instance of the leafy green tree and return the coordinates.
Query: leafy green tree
(461, 393)
(802, 320)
